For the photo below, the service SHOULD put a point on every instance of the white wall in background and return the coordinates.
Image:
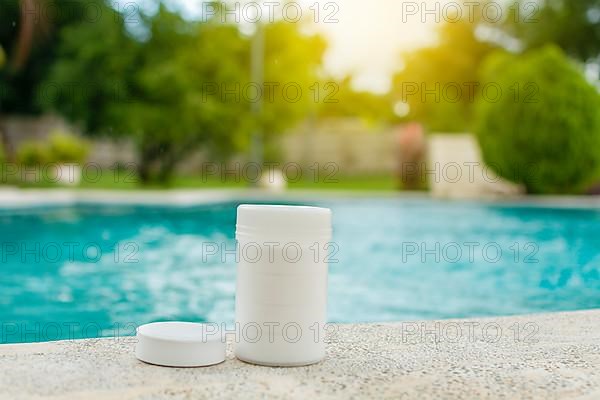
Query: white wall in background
(455, 169)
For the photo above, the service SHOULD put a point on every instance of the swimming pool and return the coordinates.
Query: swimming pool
(100, 270)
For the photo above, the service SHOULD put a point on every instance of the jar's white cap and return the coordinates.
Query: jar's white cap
(180, 344)
(277, 220)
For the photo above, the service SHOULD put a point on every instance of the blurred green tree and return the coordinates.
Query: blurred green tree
(90, 76)
(172, 113)
(175, 84)
(440, 83)
(572, 25)
(149, 87)
(545, 132)
(292, 85)
(29, 31)
(345, 101)
(29, 37)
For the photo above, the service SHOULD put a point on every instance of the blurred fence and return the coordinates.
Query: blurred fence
(351, 145)
(346, 144)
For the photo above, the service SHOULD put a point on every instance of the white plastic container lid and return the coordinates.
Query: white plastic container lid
(180, 344)
(275, 221)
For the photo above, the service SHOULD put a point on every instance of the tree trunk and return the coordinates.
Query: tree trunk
(5, 144)
(148, 155)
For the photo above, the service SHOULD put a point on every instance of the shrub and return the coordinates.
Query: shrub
(66, 148)
(544, 131)
(33, 154)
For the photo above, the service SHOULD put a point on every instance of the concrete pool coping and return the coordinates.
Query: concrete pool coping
(12, 197)
(543, 356)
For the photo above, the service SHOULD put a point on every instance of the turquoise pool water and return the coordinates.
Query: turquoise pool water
(100, 270)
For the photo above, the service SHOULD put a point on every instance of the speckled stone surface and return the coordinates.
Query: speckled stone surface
(551, 356)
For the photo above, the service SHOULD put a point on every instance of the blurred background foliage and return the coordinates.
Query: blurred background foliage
(164, 83)
(533, 136)
(164, 80)
(543, 131)
(572, 25)
(450, 70)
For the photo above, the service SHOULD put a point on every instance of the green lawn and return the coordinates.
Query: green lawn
(130, 182)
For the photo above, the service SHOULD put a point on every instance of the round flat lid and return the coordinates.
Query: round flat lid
(180, 344)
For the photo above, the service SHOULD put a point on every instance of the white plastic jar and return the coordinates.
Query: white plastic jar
(281, 294)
